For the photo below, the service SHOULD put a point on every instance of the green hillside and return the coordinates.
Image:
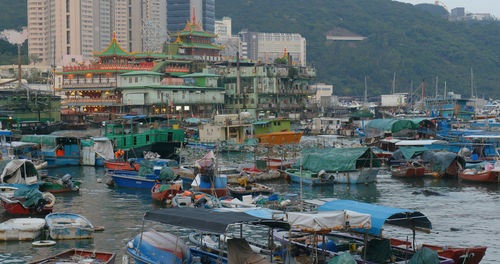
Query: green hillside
(13, 16)
(402, 38)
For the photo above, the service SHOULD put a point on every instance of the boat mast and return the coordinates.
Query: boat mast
(394, 83)
(437, 81)
(365, 101)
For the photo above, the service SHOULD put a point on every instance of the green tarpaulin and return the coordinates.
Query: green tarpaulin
(40, 139)
(337, 159)
(412, 152)
(380, 126)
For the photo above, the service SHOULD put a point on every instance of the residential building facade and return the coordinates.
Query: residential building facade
(180, 11)
(266, 47)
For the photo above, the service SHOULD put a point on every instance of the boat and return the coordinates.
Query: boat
(16, 172)
(122, 165)
(134, 181)
(7, 191)
(78, 256)
(409, 170)
(163, 192)
(336, 165)
(254, 189)
(380, 215)
(485, 176)
(69, 226)
(472, 255)
(28, 201)
(60, 185)
(275, 132)
(136, 134)
(21, 229)
(58, 151)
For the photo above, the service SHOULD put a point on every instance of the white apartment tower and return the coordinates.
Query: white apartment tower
(63, 31)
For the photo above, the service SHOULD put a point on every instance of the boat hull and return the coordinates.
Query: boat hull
(117, 165)
(460, 255)
(17, 208)
(102, 257)
(408, 172)
(306, 178)
(486, 177)
(134, 182)
(58, 188)
(364, 175)
(219, 192)
(69, 226)
(279, 138)
(21, 229)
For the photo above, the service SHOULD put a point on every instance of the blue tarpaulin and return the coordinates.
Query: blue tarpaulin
(381, 215)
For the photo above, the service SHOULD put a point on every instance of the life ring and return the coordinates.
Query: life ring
(50, 197)
(98, 228)
(43, 243)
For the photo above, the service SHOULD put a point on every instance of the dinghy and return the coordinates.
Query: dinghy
(69, 226)
(21, 229)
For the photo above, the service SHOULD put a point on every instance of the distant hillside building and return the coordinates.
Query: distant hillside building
(266, 47)
(180, 11)
(225, 38)
(342, 34)
(396, 99)
(322, 90)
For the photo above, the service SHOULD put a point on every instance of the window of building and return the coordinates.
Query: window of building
(68, 37)
(68, 50)
(136, 79)
(67, 21)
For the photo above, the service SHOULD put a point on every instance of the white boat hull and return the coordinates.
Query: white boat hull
(365, 175)
(21, 229)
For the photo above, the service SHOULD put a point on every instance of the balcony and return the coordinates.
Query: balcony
(90, 101)
(88, 85)
(111, 67)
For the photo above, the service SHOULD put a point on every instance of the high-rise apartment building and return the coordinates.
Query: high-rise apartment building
(266, 47)
(63, 31)
(180, 11)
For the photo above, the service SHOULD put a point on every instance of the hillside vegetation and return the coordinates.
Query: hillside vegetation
(402, 38)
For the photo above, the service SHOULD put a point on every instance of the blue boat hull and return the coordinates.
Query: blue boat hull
(136, 182)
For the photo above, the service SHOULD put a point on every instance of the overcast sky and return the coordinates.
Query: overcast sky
(474, 6)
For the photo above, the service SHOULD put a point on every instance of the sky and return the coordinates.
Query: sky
(474, 6)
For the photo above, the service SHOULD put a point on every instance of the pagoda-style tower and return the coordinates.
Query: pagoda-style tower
(194, 41)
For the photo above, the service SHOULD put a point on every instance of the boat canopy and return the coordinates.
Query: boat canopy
(50, 140)
(425, 142)
(381, 215)
(337, 159)
(406, 153)
(328, 221)
(18, 171)
(206, 219)
(441, 160)
(378, 127)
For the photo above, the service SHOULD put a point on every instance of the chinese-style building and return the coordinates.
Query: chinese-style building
(194, 41)
(90, 90)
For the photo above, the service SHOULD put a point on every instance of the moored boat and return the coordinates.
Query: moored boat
(408, 171)
(60, 185)
(76, 255)
(162, 192)
(472, 255)
(275, 132)
(254, 189)
(21, 229)
(158, 247)
(69, 226)
(122, 165)
(480, 176)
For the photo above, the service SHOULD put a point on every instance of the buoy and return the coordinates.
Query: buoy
(98, 228)
(50, 197)
(43, 243)
(99, 180)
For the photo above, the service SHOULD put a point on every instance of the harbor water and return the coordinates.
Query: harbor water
(462, 215)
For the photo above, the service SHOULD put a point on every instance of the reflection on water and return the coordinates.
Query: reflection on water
(472, 209)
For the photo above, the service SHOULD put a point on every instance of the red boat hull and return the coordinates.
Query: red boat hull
(488, 176)
(410, 172)
(165, 194)
(460, 255)
(102, 257)
(17, 208)
(120, 165)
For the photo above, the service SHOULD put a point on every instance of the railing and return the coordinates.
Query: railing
(176, 69)
(95, 67)
(88, 85)
(90, 101)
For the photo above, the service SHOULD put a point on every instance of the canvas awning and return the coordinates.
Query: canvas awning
(327, 221)
(381, 215)
(205, 219)
(337, 159)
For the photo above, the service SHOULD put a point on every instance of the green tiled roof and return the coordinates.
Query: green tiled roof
(201, 45)
(199, 74)
(133, 73)
(174, 87)
(114, 49)
(194, 33)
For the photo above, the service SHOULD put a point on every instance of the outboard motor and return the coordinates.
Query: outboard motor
(68, 183)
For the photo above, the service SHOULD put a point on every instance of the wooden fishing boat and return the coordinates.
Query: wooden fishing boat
(122, 165)
(279, 138)
(69, 226)
(480, 176)
(75, 255)
(254, 189)
(21, 229)
(162, 192)
(460, 255)
(16, 207)
(55, 185)
(407, 171)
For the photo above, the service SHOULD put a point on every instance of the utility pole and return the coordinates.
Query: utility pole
(471, 83)
(437, 80)
(365, 101)
(238, 81)
(394, 83)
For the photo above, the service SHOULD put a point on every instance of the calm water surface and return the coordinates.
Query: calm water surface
(473, 210)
